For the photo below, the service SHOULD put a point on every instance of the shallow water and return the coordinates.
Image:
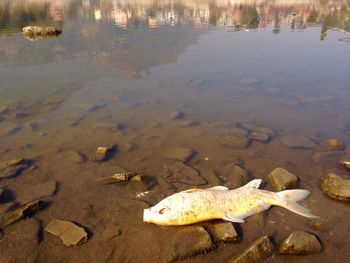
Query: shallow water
(116, 76)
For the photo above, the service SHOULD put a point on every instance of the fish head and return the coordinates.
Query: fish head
(165, 212)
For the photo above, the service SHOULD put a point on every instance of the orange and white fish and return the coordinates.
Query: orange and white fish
(197, 205)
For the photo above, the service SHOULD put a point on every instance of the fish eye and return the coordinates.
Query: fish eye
(161, 211)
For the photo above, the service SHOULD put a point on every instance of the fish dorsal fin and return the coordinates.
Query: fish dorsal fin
(253, 184)
(192, 190)
(219, 188)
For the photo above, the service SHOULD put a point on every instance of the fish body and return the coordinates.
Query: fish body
(197, 205)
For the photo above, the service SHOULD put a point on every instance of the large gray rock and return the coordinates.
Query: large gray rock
(222, 231)
(186, 242)
(300, 243)
(261, 249)
(179, 153)
(68, 232)
(20, 243)
(336, 187)
(297, 142)
(282, 179)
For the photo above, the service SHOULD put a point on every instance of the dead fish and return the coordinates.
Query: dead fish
(197, 205)
(346, 164)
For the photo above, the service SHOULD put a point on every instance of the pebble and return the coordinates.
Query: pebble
(183, 154)
(104, 153)
(282, 179)
(261, 249)
(297, 142)
(70, 233)
(333, 144)
(300, 243)
(336, 187)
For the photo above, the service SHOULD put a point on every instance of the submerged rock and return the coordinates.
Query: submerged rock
(261, 249)
(252, 127)
(235, 141)
(297, 142)
(259, 136)
(187, 242)
(300, 243)
(13, 167)
(336, 187)
(282, 179)
(104, 153)
(68, 232)
(323, 157)
(223, 231)
(40, 32)
(333, 144)
(20, 213)
(179, 153)
(236, 176)
(177, 115)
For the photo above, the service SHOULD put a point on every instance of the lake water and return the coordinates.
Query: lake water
(148, 76)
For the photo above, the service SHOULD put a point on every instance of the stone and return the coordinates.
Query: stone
(282, 179)
(239, 132)
(181, 175)
(20, 213)
(300, 243)
(40, 32)
(236, 176)
(223, 231)
(13, 167)
(104, 153)
(37, 191)
(70, 233)
(235, 142)
(297, 142)
(179, 153)
(346, 164)
(259, 250)
(336, 187)
(259, 136)
(333, 144)
(255, 128)
(75, 156)
(186, 242)
(20, 243)
(177, 115)
(321, 157)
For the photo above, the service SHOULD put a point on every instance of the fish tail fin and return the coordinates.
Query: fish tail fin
(289, 198)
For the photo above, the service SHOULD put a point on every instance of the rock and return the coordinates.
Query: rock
(259, 136)
(297, 142)
(236, 142)
(346, 164)
(336, 187)
(37, 191)
(68, 232)
(13, 167)
(179, 153)
(236, 176)
(75, 156)
(333, 144)
(282, 179)
(300, 243)
(261, 249)
(239, 132)
(182, 176)
(104, 153)
(40, 32)
(321, 157)
(20, 213)
(20, 243)
(177, 115)
(255, 128)
(186, 242)
(223, 231)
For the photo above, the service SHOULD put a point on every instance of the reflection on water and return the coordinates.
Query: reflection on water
(225, 82)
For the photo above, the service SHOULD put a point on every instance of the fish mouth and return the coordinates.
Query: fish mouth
(146, 215)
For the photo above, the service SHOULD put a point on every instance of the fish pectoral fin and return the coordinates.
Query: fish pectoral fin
(192, 190)
(233, 219)
(219, 188)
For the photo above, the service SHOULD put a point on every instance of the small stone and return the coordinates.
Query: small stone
(336, 187)
(223, 231)
(75, 156)
(333, 144)
(261, 249)
(20, 213)
(282, 179)
(297, 142)
(259, 136)
(300, 243)
(179, 153)
(186, 242)
(68, 232)
(104, 153)
(177, 115)
(236, 142)
(346, 164)
(253, 127)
